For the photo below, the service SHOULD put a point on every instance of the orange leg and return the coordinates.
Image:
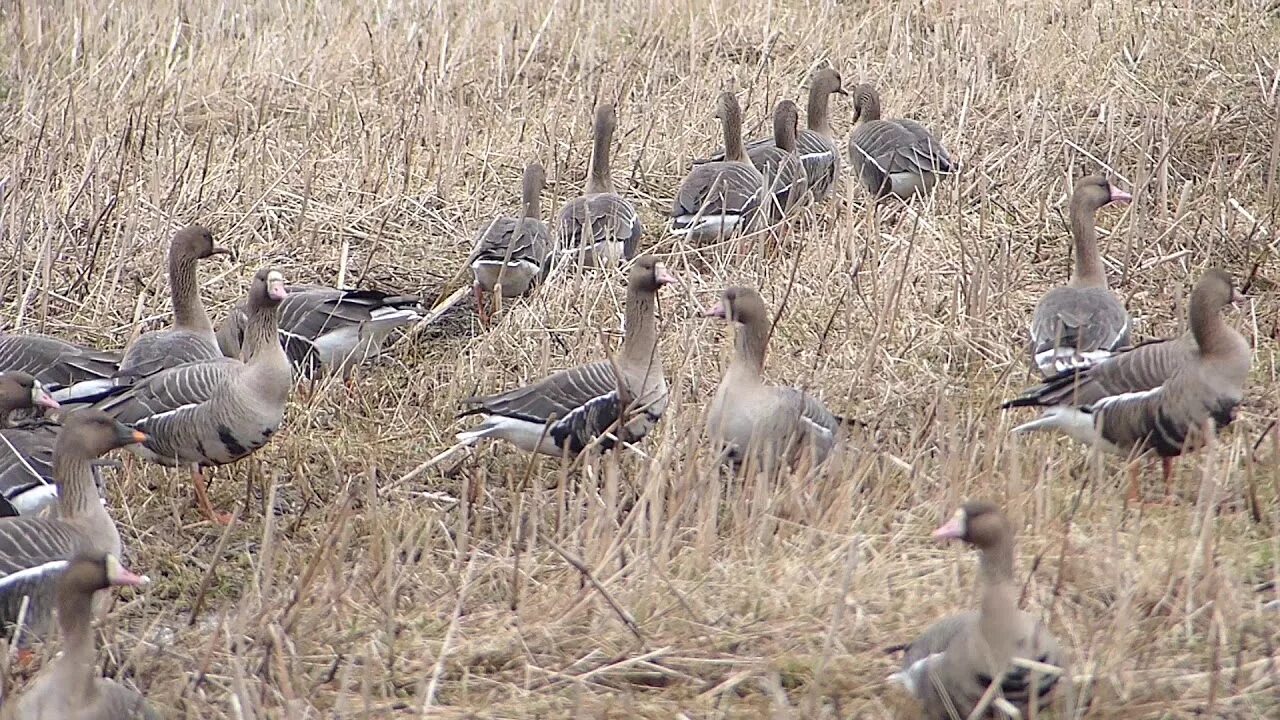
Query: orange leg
(1166, 471)
(25, 659)
(481, 311)
(217, 517)
(1135, 484)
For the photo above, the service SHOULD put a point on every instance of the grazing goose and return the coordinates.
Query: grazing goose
(718, 199)
(567, 411)
(1171, 418)
(751, 419)
(53, 361)
(784, 174)
(26, 453)
(952, 664)
(70, 687)
(326, 330)
(214, 412)
(1083, 322)
(512, 251)
(34, 550)
(599, 227)
(893, 157)
(191, 337)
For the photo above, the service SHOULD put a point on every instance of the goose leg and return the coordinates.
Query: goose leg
(1134, 484)
(481, 311)
(217, 517)
(1166, 472)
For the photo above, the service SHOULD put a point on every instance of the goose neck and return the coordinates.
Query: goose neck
(73, 476)
(1084, 231)
(184, 288)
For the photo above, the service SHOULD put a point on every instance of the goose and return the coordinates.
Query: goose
(599, 227)
(26, 453)
(893, 157)
(191, 337)
(34, 550)
(570, 409)
(751, 419)
(951, 665)
(785, 179)
(214, 412)
(326, 330)
(71, 687)
(1169, 419)
(55, 362)
(512, 251)
(1083, 322)
(719, 199)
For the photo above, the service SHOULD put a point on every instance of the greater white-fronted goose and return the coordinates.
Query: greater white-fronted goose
(512, 251)
(70, 688)
(751, 419)
(950, 666)
(786, 184)
(53, 361)
(1083, 322)
(893, 157)
(191, 337)
(567, 411)
(1171, 418)
(215, 412)
(599, 227)
(326, 330)
(34, 550)
(26, 453)
(719, 199)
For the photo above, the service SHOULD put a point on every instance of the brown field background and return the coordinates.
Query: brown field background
(385, 132)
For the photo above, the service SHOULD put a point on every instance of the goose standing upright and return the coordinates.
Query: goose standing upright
(191, 337)
(570, 409)
(34, 550)
(893, 157)
(599, 227)
(752, 420)
(55, 362)
(950, 666)
(70, 687)
(215, 412)
(26, 453)
(1083, 322)
(512, 251)
(1178, 416)
(719, 199)
(786, 184)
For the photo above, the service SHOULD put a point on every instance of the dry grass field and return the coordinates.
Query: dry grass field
(364, 142)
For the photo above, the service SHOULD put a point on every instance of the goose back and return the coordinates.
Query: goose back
(893, 157)
(53, 361)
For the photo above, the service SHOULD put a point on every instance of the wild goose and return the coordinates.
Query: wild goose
(55, 362)
(751, 420)
(71, 687)
(191, 337)
(512, 251)
(1083, 322)
(1170, 418)
(719, 199)
(816, 144)
(951, 665)
(599, 227)
(326, 330)
(34, 550)
(893, 157)
(214, 412)
(570, 409)
(786, 184)
(26, 453)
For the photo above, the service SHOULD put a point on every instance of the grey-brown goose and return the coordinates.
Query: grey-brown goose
(567, 411)
(751, 419)
(953, 663)
(512, 251)
(723, 198)
(1169, 419)
(34, 550)
(70, 688)
(55, 362)
(26, 453)
(786, 184)
(599, 227)
(327, 330)
(893, 157)
(215, 412)
(191, 337)
(1083, 322)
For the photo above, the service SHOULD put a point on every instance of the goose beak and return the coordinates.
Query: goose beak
(1118, 195)
(663, 276)
(219, 251)
(842, 91)
(953, 529)
(41, 398)
(118, 574)
(1238, 298)
(715, 311)
(275, 286)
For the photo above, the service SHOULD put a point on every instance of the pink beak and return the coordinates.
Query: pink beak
(716, 311)
(1238, 298)
(664, 276)
(1118, 195)
(952, 530)
(276, 291)
(44, 399)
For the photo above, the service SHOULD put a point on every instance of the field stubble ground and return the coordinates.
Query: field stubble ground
(364, 142)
